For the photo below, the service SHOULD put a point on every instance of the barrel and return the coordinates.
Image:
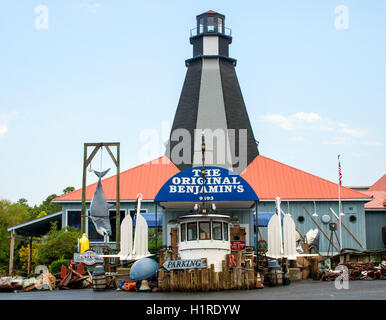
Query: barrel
(275, 277)
(273, 265)
(99, 282)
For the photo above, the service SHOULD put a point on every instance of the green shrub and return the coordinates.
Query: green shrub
(56, 265)
(57, 245)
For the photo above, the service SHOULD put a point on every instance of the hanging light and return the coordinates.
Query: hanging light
(213, 206)
(195, 207)
(315, 214)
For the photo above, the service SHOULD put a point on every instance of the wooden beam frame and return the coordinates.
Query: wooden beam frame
(86, 161)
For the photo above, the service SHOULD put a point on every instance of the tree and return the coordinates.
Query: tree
(47, 205)
(24, 253)
(23, 201)
(58, 244)
(10, 215)
(68, 190)
(41, 214)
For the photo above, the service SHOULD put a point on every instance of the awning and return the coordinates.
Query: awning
(38, 227)
(150, 219)
(263, 218)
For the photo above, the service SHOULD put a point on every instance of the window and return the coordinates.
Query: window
(210, 24)
(226, 236)
(192, 231)
(73, 219)
(219, 24)
(183, 232)
(217, 230)
(204, 230)
(114, 224)
(201, 25)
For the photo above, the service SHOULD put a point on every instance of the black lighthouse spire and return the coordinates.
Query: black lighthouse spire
(211, 104)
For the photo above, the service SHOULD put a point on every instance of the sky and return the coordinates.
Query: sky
(312, 74)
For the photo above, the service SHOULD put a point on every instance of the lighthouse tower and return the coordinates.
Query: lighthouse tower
(211, 104)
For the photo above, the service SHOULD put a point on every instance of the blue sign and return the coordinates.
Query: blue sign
(219, 185)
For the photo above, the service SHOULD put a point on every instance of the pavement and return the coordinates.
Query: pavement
(301, 290)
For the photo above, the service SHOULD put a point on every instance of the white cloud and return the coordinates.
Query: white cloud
(4, 122)
(298, 138)
(337, 141)
(357, 133)
(299, 120)
(373, 143)
(307, 117)
(279, 120)
(3, 130)
(89, 7)
(313, 121)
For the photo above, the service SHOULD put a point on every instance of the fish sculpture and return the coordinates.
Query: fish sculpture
(99, 210)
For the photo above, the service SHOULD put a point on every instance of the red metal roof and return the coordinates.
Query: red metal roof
(269, 179)
(378, 192)
(380, 185)
(379, 201)
(146, 178)
(211, 11)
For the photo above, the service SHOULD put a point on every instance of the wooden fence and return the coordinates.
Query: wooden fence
(242, 275)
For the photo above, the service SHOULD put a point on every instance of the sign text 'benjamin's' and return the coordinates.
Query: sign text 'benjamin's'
(214, 183)
(218, 184)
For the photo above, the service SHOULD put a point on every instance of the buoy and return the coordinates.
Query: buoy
(84, 243)
(143, 269)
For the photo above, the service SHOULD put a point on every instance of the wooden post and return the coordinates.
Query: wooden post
(86, 162)
(212, 284)
(238, 270)
(118, 200)
(222, 276)
(161, 280)
(314, 268)
(226, 273)
(156, 227)
(29, 256)
(83, 214)
(11, 252)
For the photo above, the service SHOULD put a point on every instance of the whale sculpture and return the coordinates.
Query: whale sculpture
(99, 209)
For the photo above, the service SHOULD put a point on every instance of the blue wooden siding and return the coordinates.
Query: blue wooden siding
(295, 208)
(375, 220)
